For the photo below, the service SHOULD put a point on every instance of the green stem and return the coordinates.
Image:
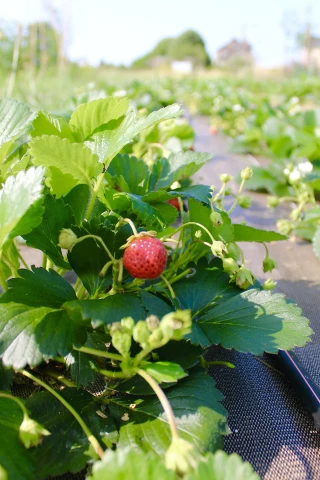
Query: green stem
(19, 402)
(132, 225)
(198, 225)
(24, 263)
(233, 206)
(181, 275)
(44, 260)
(91, 438)
(3, 282)
(100, 353)
(60, 378)
(110, 374)
(163, 400)
(94, 196)
(165, 281)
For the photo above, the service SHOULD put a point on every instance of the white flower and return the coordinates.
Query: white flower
(120, 93)
(237, 108)
(305, 167)
(286, 171)
(295, 175)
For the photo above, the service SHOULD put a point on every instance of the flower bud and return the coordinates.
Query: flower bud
(31, 432)
(295, 214)
(284, 226)
(269, 264)
(152, 322)
(244, 201)
(273, 202)
(218, 247)
(67, 238)
(216, 218)
(128, 324)
(227, 192)
(246, 173)
(244, 278)
(141, 333)
(230, 265)
(122, 342)
(156, 338)
(181, 457)
(225, 178)
(269, 284)
(234, 251)
(179, 322)
(198, 234)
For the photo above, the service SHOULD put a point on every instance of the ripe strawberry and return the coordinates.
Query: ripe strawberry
(213, 130)
(175, 203)
(145, 257)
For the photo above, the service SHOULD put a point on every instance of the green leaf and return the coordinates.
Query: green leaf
(81, 368)
(132, 126)
(14, 458)
(202, 193)
(179, 165)
(243, 233)
(78, 200)
(29, 335)
(20, 210)
(199, 415)
(72, 159)
(222, 466)
(106, 311)
(129, 464)
(165, 371)
(316, 243)
(14, 117)
(6, 378)
(134, 172)
(256, 321)
(46, 124)
(45, 237)
(90, 116)
(147, 214)
(273, 182)
(67, 448)
(201, 214)
(38, 288)
(210, 284)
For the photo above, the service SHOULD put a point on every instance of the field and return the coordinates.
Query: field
(143, 262)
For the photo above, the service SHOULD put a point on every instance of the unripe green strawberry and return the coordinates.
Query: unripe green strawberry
(145, 257)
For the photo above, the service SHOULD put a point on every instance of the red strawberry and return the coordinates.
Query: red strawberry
(145, 257)
(175, 203)
(213, 130)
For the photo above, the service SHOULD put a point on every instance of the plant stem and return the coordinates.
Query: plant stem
(94, 196)
(163, 400)
(233, 206)
(100, 353)
(3, 282)
(132, 225)
(44, 260)
(198, 225)
(18, 401)
(91, 438)
(165, 281)
(110, 374)
(60, 378)
(24, 263)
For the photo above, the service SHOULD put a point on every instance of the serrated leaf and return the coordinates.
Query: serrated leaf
(14, 458)
(14, 117)
(201, 214)
(316, 243)
(244, 233)
(57, 215)
(256, 321)
(133, 171)
(222, 466)
(132, 126)
(28, 335)
(67, 448)
(97, 113)
(46, 124)
(72, 159)
(210, 284)
(81, 368)
(106, 311)
(38, 288)
(179, 165)
(147, 214)
(20, 209)
(199, 416)
(140, 465)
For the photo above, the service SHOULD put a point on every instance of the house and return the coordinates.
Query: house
(235, 52)
(311, 54)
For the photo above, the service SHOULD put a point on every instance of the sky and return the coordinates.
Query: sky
(120, 31)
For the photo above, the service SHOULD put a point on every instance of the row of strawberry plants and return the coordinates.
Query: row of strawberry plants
(113, 362)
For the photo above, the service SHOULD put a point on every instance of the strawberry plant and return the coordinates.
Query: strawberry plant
(103, 346)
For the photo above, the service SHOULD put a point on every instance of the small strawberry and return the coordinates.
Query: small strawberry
(213, 130)
(175, 203)
(145, 257)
